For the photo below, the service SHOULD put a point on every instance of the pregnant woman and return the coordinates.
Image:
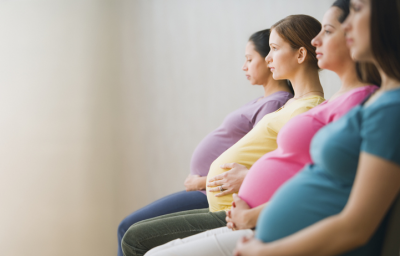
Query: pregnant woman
(234, 127)
(276, 167)
(294, 59)
(339, 205)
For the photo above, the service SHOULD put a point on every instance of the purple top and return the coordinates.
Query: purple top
(233, 128)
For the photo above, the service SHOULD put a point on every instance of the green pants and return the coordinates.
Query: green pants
(147, 234)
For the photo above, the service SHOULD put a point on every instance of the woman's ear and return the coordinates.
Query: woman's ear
(302, 55)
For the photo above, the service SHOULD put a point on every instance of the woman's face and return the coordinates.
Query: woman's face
(357, 27)
(255, 67)
(282, 58)
(331, 51)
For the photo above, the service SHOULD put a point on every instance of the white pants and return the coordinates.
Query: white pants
(215, 242)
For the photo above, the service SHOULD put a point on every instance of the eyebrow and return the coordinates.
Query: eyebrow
(329, 25)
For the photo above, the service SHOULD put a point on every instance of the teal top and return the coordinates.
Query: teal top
(322, 189)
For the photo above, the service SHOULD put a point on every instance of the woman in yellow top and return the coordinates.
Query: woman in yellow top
(288, 59)
(291, 57)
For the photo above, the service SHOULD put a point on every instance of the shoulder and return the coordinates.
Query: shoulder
(309, 102)
(388, 104)
(358, 94)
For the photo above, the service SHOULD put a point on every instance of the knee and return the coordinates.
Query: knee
(123, 227)
(130, 243)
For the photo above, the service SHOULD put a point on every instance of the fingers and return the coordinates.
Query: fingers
(216, 189)
(239, 202)
(215, 183)
(231, 225)
(245, 239)
(239, 246)
(225, 192)
(218, 177)
(228, 166)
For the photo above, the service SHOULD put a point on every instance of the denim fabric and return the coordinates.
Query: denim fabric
(177, 202)
(147, 234)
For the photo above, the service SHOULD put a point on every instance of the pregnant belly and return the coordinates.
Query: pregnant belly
(305, 199)
(232, 155)
(264, 178)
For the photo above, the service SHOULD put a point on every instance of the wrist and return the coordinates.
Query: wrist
(201, 183)
(251, 218)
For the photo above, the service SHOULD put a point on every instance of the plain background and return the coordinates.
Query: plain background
(102, 103)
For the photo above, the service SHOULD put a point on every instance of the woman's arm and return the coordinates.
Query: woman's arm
(376, 186)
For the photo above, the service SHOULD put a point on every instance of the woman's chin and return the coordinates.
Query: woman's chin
(277, 77)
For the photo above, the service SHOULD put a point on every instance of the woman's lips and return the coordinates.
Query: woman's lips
(248, 77)
(319, 55)
(349, 41)
(272, 69)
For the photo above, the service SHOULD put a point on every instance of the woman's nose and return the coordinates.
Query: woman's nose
(268, 59)
(315, 41)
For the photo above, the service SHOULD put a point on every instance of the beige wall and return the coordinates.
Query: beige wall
(102, 103)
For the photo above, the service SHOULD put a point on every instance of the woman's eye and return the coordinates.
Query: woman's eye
(355, 8)
(327, 32)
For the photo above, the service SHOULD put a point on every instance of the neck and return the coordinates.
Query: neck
(306, 82)
(272, 86)
(388, 83)
(348, 78)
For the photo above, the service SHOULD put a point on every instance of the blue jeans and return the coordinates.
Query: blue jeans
(180, 201)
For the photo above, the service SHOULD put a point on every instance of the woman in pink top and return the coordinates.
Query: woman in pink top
(276, 167)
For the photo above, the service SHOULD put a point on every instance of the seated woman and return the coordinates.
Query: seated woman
(339, 204)
(276, 167)
(296, 62)
(234, 127)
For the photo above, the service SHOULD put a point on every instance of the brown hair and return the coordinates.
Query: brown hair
(385, 35)
(298, 31)
(366, 72)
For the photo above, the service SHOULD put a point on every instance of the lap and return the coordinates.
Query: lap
(218, 242)
(177, 202)
(148, 234)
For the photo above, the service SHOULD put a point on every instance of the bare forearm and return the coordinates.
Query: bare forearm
(330, 236)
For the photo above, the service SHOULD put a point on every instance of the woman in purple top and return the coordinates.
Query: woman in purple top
(233, 128)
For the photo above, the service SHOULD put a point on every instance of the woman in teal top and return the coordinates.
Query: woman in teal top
(338, 205)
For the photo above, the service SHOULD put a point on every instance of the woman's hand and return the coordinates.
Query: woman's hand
(195, 182)
(248, 246)
(230, 180)
(240, 214)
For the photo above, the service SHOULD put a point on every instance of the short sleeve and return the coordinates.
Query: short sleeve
(265, 109)
(380, 130)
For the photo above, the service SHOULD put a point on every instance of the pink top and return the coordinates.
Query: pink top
(293, 152)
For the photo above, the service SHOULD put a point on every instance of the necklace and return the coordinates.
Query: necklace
(305, 94)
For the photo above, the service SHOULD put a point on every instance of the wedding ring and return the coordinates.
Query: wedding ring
(220, 188)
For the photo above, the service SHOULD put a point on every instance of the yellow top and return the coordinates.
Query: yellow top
(259, 141)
